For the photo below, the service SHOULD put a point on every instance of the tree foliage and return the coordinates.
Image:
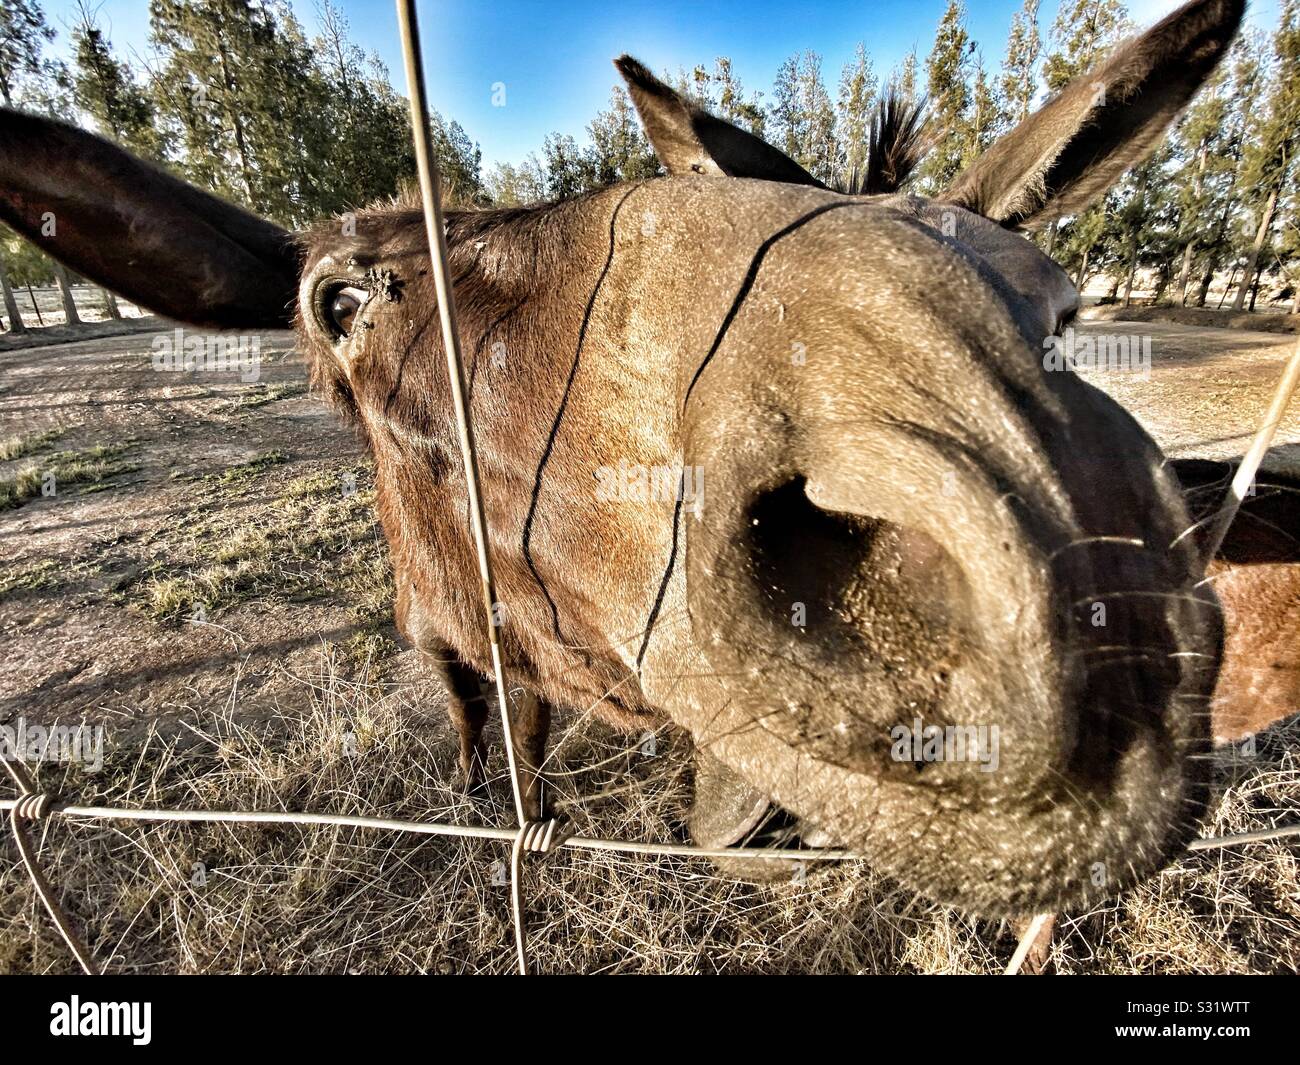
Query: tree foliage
(236, 98)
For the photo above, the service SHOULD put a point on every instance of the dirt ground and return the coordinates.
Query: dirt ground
(1271, 320)
(1207, 390)
(79, 634)
(209, 550)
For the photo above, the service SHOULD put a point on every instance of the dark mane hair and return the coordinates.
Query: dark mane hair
(897, 142)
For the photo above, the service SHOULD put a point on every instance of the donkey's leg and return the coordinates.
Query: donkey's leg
(466, 706)
(468, 710)
(1038, 961)
(530, 724)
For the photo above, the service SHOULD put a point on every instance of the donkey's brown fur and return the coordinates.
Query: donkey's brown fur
(1257, 578)
(901, 498)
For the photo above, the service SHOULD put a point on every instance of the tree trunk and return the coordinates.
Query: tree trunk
(11, 305)
(1189, 248)
(1185, 272)
(65, 290)
(1082, 275)
(1133, 239)
(1215, 250)
(35, 306)
(1207, 279)
(1295, 300)
(1162, 284)
(1252, 262)
(1232, 276)
(110, 305)
(236, 123)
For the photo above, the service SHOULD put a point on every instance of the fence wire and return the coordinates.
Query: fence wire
(33, 805)
(530, 837)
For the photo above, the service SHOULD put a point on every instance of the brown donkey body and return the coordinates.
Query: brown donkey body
(781, 464)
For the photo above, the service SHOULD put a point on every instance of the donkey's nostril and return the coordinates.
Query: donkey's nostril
(843, 623)
(851, 580)
(801, 554)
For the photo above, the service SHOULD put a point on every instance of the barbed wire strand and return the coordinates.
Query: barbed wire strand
(509, 835)
(529, 841)
(33, 806)
(535, 838)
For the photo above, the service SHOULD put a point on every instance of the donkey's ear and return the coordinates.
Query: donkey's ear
(1078, 144)
(689, 140)
(135, 229)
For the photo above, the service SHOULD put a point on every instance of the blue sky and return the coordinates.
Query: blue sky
(554, 55)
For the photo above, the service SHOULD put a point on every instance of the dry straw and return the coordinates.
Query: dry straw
(530, 837)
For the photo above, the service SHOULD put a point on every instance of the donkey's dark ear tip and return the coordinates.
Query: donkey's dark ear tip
(636, 74)
(1220, 13)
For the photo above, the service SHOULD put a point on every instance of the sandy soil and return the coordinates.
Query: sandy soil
(1265, 320)
(1207, 390)
(80, 642)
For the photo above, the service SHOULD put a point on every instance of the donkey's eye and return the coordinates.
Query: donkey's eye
(340, 306)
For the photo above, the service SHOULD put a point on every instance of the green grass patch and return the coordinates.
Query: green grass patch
(88, 469)
(45, 575)
(317, 539)
(16, 447)
(245, 473)
(32, 577)
(262, 394)
(364, 654)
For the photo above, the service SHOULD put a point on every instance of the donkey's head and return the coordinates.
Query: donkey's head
(781, 462)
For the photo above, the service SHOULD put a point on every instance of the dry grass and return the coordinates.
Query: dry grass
(16, 446)
(260, 395)
(274, 542)
(225, 898)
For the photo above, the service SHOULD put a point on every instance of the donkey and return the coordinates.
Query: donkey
(898, 519)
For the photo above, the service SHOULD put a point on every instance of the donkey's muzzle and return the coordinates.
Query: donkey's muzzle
(1014, 742)
(1000, 704)
(937, 602)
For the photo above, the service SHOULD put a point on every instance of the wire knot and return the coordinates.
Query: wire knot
(541, 837)
(32, 806)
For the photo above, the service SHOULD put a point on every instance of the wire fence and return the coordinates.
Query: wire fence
(32, 805)
(546, 836)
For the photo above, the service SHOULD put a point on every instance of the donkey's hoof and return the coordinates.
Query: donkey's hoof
(539, 805)
(474, 780)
